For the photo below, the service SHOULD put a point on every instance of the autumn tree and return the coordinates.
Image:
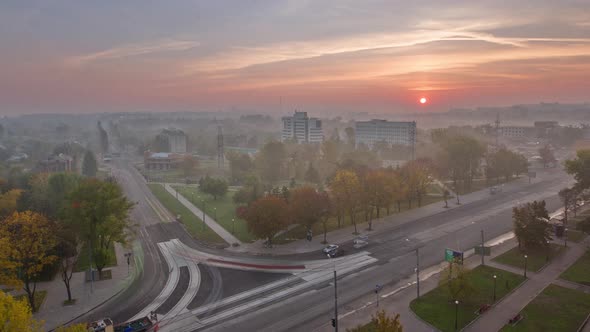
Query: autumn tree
(89, 165)
(267, 216)
(98, 211)
(103, 138)
(240, 165)
(16, 315)
(9, 201)
(30, 240)
(346, 188)
(305, 206)
(455, 278)
(270, 160)
(326, 212)
(546, 155)
(531, 226)
(418, 176)
(569, 198)
(189, 165)
(311, 174)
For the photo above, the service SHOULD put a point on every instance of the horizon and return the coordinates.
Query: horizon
(315, 56)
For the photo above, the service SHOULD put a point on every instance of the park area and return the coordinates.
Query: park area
(579, 272)
(536, 257)
(556, 309)
(193, 224)
(438, 308)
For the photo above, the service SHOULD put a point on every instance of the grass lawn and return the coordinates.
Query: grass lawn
(299, 232)
(556, 309)
(580, 271)
(193, 224)
(223, 210)
(84, 260)
(536, 259)
(39, 298)
(438, 309)
(575, 236)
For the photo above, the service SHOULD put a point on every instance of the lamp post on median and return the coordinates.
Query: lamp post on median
(215, 212)
(233, 225)
(495, 278)
(128, 256)
(456, 314)
(525, 261)
(548, 250)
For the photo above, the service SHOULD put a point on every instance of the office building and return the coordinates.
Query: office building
(391, 132)
(302, 129)
(172, 140)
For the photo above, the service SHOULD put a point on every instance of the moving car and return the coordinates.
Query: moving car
(335, 253)
(329, 248)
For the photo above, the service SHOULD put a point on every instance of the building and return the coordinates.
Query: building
(174, 139)
(55, 164)
(391, 132)
(162, 161)
(302, 128)
(545, 128)
(515, 132)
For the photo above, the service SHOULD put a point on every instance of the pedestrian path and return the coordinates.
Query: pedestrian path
(212, 223)
(512, 304)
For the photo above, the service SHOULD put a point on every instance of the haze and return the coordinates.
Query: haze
(272, 56)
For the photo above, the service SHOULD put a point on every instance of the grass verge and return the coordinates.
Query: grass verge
(536, 258)
(437, 308)
(579, 272)
(556, 309)
(193, 224)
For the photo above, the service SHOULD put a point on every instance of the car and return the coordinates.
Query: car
(329, 248)
(358, 244)
(335, 253)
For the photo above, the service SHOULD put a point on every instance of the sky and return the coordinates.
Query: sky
(278, 55)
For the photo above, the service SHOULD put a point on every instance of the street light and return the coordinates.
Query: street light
(495, 278)
(215, 211)
(565, 236)
(525, 260)
(548, 249)
(128, 256)
(233, 225)
(456, 314)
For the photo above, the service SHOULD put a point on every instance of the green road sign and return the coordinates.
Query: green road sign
(487, 251)
(453, 256)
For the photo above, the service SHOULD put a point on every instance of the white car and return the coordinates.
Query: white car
(330, 248)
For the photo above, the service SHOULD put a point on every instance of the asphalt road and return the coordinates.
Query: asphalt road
(458, 228)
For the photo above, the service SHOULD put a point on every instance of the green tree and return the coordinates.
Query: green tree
(531, 226)
(30, 240)
(546, 155)
(9, 201)
(580, 168)
(311, 174)
(189, 165)
(240, 165)
(569, 198)
(270, 161)
(267, 216)
(456, 279)
(89, 165)
(98, 212)
(214, 187)
(103, 138)
(67, 253)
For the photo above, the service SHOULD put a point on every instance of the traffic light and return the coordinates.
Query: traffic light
(333, 322)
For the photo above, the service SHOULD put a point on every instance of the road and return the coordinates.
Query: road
(185, 282)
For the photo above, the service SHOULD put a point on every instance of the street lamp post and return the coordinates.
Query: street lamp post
(128, 256)
(525, 260)
(203, 214)
(548, 249)
(456, 314)
(215, 212)
(565, 236)
(233, 225)
(495, 278)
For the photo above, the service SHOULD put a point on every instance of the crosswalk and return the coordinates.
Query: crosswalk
(303, 276)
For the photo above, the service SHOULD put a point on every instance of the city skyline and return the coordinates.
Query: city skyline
(310, 55)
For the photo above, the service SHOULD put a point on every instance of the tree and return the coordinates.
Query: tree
(89, 166)
(305, 206)
(240, 165)
(214, 187)
(382, 323)
(30, 241)
(104, 138)
(16, 315)
(311, 174)
(98, 212)
(446, 195)
(531, 226)
(460, 158)
(580, 168)
(505, 163)
(325, 213)
(269, 161)
(418, 176)
(189, 165)
(8, 202)
(346, 188)
(67, 253)
(456, 279)
(350, 135)
(584, 225)
(568, 197)
(546, 155)
(267, 216)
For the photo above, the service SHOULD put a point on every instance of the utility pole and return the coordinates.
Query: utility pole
(220, 152)
(417, 273)
(497, 127)
(482, 250)
(335, 302)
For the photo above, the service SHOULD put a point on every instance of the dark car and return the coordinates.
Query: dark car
(335, 253)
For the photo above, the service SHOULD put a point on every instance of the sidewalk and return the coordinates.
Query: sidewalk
(54, 313)
(504, 310)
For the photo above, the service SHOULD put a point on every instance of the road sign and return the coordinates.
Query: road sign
(453, 256)
(487, 251)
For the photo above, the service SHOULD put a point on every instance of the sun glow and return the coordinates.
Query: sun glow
(423, 100)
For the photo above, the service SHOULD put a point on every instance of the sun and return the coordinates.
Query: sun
(423, 100)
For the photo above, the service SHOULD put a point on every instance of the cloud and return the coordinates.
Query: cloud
(132, 50)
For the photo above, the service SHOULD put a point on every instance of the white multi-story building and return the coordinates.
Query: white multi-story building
(302, 128)
(513, 131)
(390, 132)
(176, 140)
